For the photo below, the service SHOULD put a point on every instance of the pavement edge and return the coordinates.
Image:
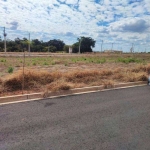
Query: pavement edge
(38, 96)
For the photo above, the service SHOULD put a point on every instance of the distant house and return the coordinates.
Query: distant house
(113, 51)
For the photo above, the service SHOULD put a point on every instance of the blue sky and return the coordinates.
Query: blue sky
(121, 22)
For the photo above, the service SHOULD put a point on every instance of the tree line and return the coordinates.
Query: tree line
(18, 45)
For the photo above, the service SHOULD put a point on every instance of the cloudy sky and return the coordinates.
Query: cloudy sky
(121, 22)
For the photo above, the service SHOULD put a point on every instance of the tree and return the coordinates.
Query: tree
(1, 45)
(11, 46)
(52, 49)
(75, 47)
(19, 45)
(85, 44)
(66, 48)
(37, 46)
(36, 42)
(57, 43)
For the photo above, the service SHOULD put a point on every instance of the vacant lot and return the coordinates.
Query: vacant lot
(42, 72)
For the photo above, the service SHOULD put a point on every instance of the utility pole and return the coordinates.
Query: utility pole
(5, 40)
(101, 46)
(80, 45)
(112, 47)
(132, 48)
(29, 45)
(48, 48)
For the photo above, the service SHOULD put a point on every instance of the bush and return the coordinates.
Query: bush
(10, 70)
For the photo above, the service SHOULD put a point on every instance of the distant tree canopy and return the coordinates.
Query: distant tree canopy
(85, 44)
(55, 45)
(66, 48)
(19, 45)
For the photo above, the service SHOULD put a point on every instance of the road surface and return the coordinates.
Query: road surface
(112, 120)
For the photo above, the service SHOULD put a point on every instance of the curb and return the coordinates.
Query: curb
(48, 94)
(20, 97)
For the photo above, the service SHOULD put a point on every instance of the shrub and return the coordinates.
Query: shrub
(10, 70)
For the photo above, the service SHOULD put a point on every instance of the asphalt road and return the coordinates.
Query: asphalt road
(112, 120)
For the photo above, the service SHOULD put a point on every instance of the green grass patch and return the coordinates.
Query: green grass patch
(45, 63)
(129, 60)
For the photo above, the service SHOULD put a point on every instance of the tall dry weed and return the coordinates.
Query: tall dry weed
(32, 78)
(59, 85)
(148, 69)
(106, 72)
(108, 84)
(133, 77)
(1, 81)
(55, 81)
(139, 68)
(81, 76)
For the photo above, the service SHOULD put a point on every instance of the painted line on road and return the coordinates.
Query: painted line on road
(73, 94)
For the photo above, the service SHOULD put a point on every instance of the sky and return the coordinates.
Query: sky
(121, 22)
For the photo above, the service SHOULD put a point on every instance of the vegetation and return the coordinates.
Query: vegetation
(55, 45)
(10, 70)
(62, 73)
(57, 80)
(85, 44)
(129, 60)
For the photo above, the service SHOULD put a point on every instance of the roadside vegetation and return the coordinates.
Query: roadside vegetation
(66, 72)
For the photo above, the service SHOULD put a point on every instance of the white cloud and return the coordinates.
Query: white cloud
(131, 25)
(108, 19)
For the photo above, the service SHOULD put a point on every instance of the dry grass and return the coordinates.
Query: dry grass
(79, 76)
(59, 85)
(32, 79)
(1, 81)
(108, 84)
(56, 81)
(73, 72)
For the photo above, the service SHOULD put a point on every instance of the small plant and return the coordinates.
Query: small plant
(3, 60)
(34, 64)
(53, 63)
(98, 61)
(45, 63)
(10, 70)
(66, 64)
